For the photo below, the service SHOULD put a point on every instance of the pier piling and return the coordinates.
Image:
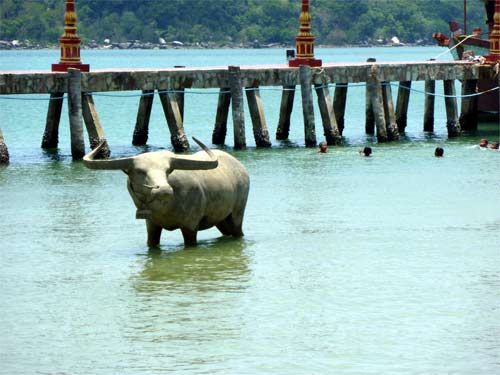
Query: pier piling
(402, 105)
(93, 125)
(369, 115)
(174, 121)
(468, 112)
(328, 118)
(390, 117)
(235, 87)
(305, 75)
(450, 102)
(260, 133)
(51, 135)
(220, 128)
(339, 103)
(374, 91)
(75, 113)
(4, 152)
(141, 130)
(430, 89)
(286, 107)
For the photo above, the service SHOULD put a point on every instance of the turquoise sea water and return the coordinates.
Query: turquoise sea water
(349, 265)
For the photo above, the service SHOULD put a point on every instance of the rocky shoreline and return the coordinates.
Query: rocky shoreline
(137, 44)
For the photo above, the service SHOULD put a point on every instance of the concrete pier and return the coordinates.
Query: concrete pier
(173, 83)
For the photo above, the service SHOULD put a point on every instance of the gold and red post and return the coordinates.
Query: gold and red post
(494, 55)
(70, 43)
(304, 41)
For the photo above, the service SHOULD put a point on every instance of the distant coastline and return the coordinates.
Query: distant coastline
(136, 44)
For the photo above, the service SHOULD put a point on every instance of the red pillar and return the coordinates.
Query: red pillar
(70, 43)
(304, 41)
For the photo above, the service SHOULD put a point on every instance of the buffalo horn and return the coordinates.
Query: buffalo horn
(192, 162)
(89, 162)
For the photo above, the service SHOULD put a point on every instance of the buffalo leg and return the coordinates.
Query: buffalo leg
(232, 226)
(225, 226)
(189, 237)
(154, 234)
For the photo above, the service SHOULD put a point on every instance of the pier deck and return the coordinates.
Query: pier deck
(43, 82)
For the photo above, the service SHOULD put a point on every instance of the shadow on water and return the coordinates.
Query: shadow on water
(218, 264)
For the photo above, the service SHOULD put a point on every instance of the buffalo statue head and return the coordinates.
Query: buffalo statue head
(148, 173)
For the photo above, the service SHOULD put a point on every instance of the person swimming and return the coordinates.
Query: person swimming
(438, 152)
(483, 143)
(367, 151)
(494, 145)
(322, 148)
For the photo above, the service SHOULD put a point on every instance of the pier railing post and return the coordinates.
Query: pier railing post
(374, 90)
(260, 133)
(339, 103)
(369, 115)
(4, 152)
(450, 101)
(430, 89)
(237, 107)
(390, 117)
(468, 115)
(93, 125)
(174, 121)
(220, 128)
(305, 75)
(402, 105)
(286, 107)
(331, 130)
(141, 130)
(75, 113)
(51, 135)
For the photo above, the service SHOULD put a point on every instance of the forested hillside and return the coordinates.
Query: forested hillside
(334, 22)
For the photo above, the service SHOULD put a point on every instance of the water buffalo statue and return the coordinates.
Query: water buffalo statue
(186, 192)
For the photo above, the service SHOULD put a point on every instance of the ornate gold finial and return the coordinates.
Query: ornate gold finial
(494, 55)
(70, 43)
(304, 41)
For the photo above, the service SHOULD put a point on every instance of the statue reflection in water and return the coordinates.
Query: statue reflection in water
(216, 265)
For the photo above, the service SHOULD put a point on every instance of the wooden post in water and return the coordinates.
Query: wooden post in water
(390, 117)
(286, 107)
(430, 89)
(260, 133)
(220, 128)
(237, 107)
(328, 118)
(179, 94)
(141, 129)
(468, 115)
(374, 90)
(369, 115)
(75, 113)
(93, 125)
(305, 75)
(402, 105)
(174, 121)
(51, 135)
(4, 152)
(339, 103)
(450, 101)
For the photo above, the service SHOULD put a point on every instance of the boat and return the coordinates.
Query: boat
(474, 47)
